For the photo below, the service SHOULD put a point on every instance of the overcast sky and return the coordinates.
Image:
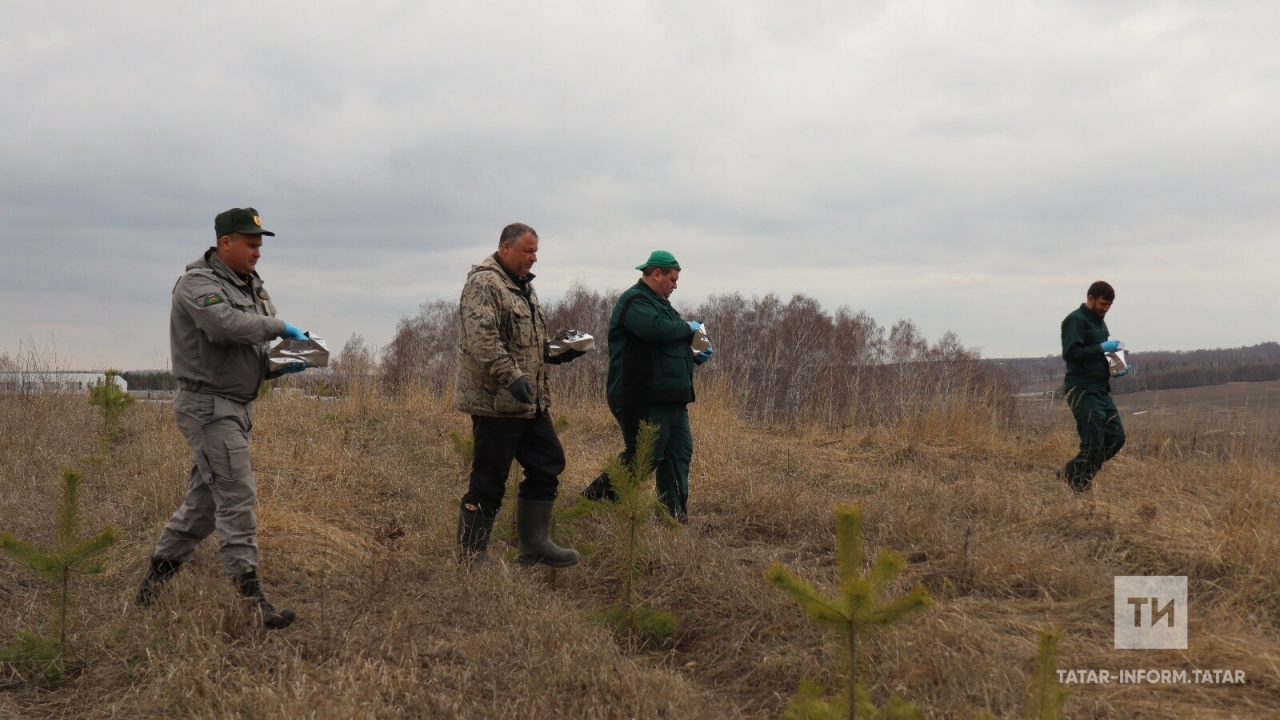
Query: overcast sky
(971, 165)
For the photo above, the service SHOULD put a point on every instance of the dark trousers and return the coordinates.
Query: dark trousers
(498, 441)
(672, 455)
(1101, 434)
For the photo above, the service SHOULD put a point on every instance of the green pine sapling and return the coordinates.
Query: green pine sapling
(636, 505)
(463, 445)
(855, 612)
(67, 555)
(1046, 698)
(107, 396)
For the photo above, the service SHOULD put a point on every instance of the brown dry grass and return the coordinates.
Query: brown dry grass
(357, 509)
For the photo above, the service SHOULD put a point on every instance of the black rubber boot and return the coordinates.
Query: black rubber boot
(473, 536)
(1068, 473)
(272, 619)
(160, 572)
(533, 525)
(600, 489)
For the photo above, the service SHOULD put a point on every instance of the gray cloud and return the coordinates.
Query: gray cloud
(969, 165)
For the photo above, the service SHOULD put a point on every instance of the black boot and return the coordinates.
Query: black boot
(272, 619)
(473, 536)
(533, 525)
(600, 489)
(1070, 474)
(158, 574)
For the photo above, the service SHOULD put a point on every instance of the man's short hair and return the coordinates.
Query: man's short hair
(1102, 290)
(513, 232)
(655, 270)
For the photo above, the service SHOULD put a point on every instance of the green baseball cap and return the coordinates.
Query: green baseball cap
(239, 220)
(660, 258)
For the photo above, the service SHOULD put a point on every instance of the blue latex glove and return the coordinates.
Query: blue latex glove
(694, 325)
(1111, 346)
(1124, 372)
(704, 356)
(293, 332)
(293, 367)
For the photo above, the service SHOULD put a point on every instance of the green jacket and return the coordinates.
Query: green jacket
(1083, 333)
(649, 356)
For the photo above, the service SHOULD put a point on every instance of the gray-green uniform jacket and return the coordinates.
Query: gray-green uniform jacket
(218, 330)
(649, 356)
(1083, 333)
(502, 337)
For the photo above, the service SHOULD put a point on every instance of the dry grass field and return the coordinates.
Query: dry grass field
(358, 500)
(1240, 402)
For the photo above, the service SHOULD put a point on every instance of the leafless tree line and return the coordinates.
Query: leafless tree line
(783, 361)
(1166, 370)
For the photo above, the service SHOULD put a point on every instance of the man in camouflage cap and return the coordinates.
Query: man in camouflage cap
(651, 379)
(502, 385)
(219, 326)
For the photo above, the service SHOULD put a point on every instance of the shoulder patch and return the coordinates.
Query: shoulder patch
(211, 299)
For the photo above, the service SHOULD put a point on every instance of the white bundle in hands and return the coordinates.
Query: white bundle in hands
(570, 339)
(1118, 360)
(701, 340)
(313, 351)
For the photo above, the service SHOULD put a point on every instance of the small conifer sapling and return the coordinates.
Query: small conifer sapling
(112, 401)
(67, 555)
(1046, 698)
(636, 505)
(855, 612)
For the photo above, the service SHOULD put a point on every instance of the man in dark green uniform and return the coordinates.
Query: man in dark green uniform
(1085, 342)
(651, 378)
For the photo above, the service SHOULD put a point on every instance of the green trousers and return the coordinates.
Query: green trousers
(1101, 434)
(673, 454)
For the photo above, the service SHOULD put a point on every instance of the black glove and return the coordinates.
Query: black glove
(521, 390)
(566, 356)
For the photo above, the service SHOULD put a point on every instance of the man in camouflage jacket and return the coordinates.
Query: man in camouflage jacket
(219, 326)
(502, 385)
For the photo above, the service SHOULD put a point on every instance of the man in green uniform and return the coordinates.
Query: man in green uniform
(219, 326)
(651, 378)
(502, 384)
(1085, 342)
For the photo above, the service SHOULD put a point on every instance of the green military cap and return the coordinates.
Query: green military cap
(239, 220)
(661, 259)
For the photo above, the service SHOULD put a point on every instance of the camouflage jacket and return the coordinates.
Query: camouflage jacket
(502, 337)
(218, 330)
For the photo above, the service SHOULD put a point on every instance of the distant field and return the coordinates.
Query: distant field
(1232, 406)
(1237, 401)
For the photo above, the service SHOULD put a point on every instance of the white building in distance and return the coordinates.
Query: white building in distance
(57, 381)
